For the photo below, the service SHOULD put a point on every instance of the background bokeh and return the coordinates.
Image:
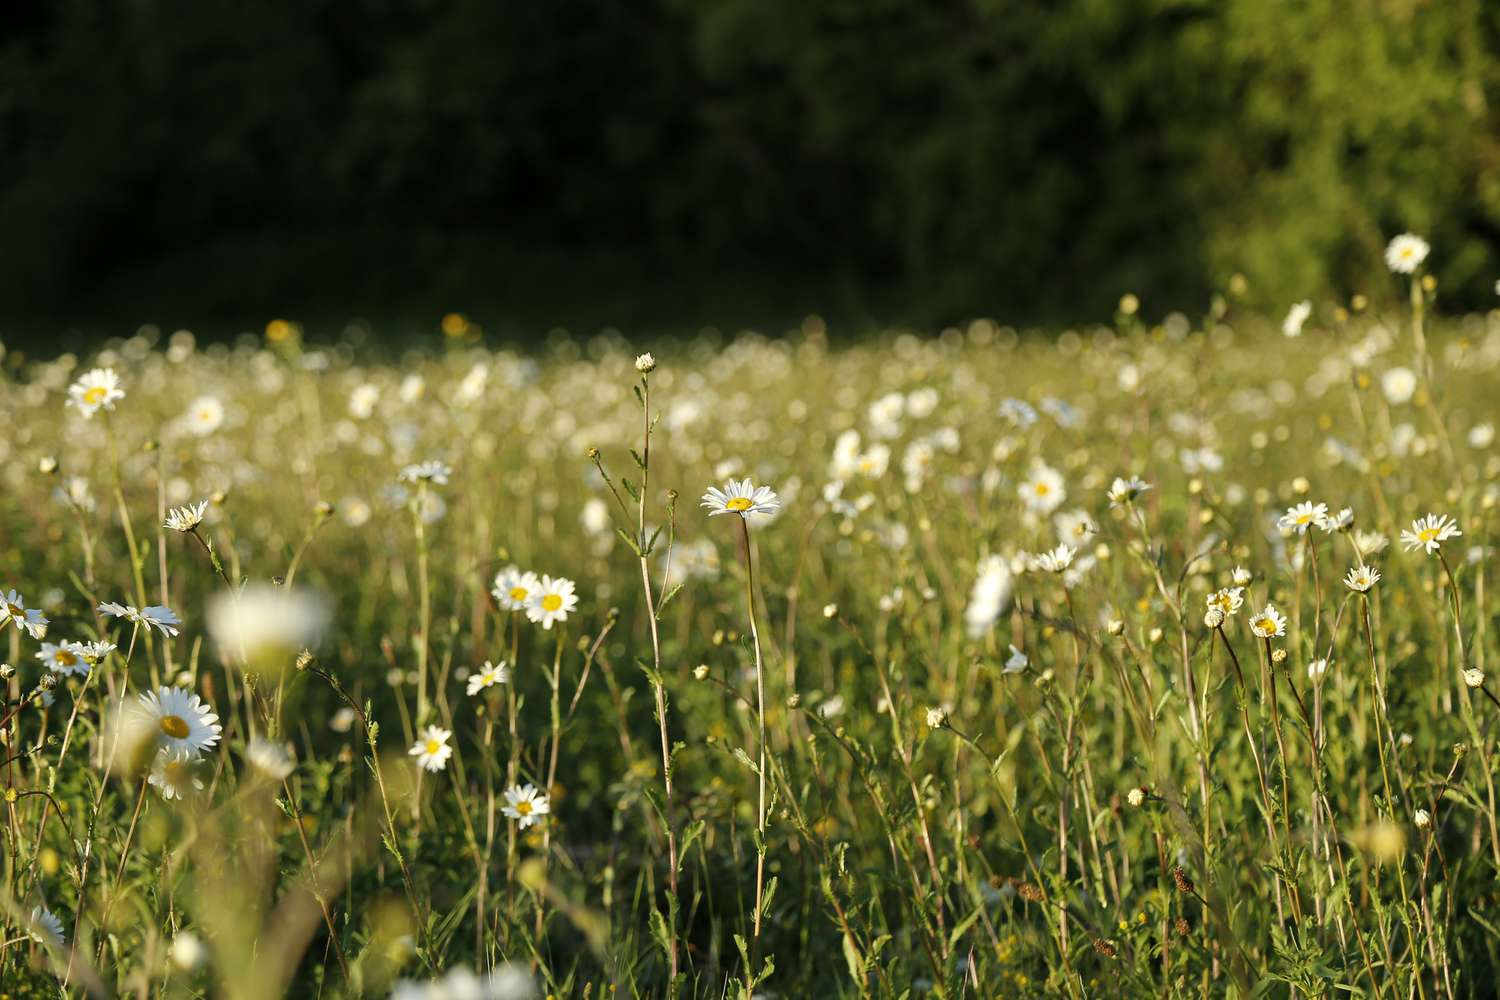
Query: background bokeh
(670, 163)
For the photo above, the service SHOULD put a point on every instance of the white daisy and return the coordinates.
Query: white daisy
(97, 389)
(1362, 578)
(1303, 516)
(525, 804)
(1316, 669)
(488, 676)
(65, 657)
(1338, 522)
(155, 616)
(1227, 601)
(179, 720)
(185, 518)
(1405, 253)
(1295, 317)
(427, 472)
(743, 498)
(174, 774)
(513, 588)
(1075, 527)
(45, 927)
(1123, 491)
(1043, 491)
(93, 652)
(989, 597)
(1430, 533)
(270, 758)
(1268, 623)
(204, 415)
(431, 749)
(1016, 662)
(551, 602)
(13, 609)
(1056, 560)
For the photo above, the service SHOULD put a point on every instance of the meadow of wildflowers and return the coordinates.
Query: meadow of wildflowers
(1148, 659)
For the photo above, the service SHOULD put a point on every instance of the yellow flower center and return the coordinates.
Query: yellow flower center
(1042, 489)
(551, 602)
(1427, 534)
(16, 611)
(64, 657)
(518, 594)
(174, 727)
(738, 503)
(94, 395)
(433, 746)
(523, 807)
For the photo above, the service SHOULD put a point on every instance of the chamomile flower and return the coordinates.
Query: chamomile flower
(513, 588)
(1123, 491)
(13, 610)
(989, 597)
(1240, 576)
(1057, 559)
(551, 602)
(156, 616)
(178, 720)
(270, 758)
(743, 498)
(65, 657)
(1226, 601)
(1429, 533)
(46, 928)
(1316, 669)
(186, 518)
(1338, 522)
(1295, 317)
(93, 652)
(1268, 623)
(97, 389)
(431, 749)
(1075, 526)
(1016, 662)
(204, 416)
(1405, 253)
(525, 804)
(1362, 578)
(1043, 491)
(426, 472)
(174, 774)
(488, 676)
(1303, 516)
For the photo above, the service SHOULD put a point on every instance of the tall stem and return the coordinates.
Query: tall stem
(760, 718)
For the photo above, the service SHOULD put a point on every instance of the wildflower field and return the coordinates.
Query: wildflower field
(1149, 659)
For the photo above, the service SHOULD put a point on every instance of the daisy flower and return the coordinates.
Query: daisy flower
(1043, 491)
(1338, 522)
(1303, 516)
(525, 804)
(204, 416)
(1316, 669)
(179, 720)
(1075, 526)
(65, 657)
(270, 758)
(1405, 253)
(743, 498)
(431, 749)
(1430, 533)
(488, 676)
(1227, 601)
(989, 597)
(1057, 560)
(1362, 578)
(13, 609)
(98, 389)
(427, 472)
(185, 518)
(1295, 317)
(552, 602)
(45, 927)
(156, 616)
(173, 774)
(1123, 491)
(513, 588)
(93, 652)
(1268, 623)
(1016, 662)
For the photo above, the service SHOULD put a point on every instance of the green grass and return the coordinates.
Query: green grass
(1127, 802)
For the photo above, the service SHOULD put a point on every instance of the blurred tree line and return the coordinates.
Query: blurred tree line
(1024, 158)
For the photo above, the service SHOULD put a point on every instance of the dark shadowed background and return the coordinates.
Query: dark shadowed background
(661, 164)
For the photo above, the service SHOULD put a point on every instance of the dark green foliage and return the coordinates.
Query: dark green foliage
(1032, 158)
